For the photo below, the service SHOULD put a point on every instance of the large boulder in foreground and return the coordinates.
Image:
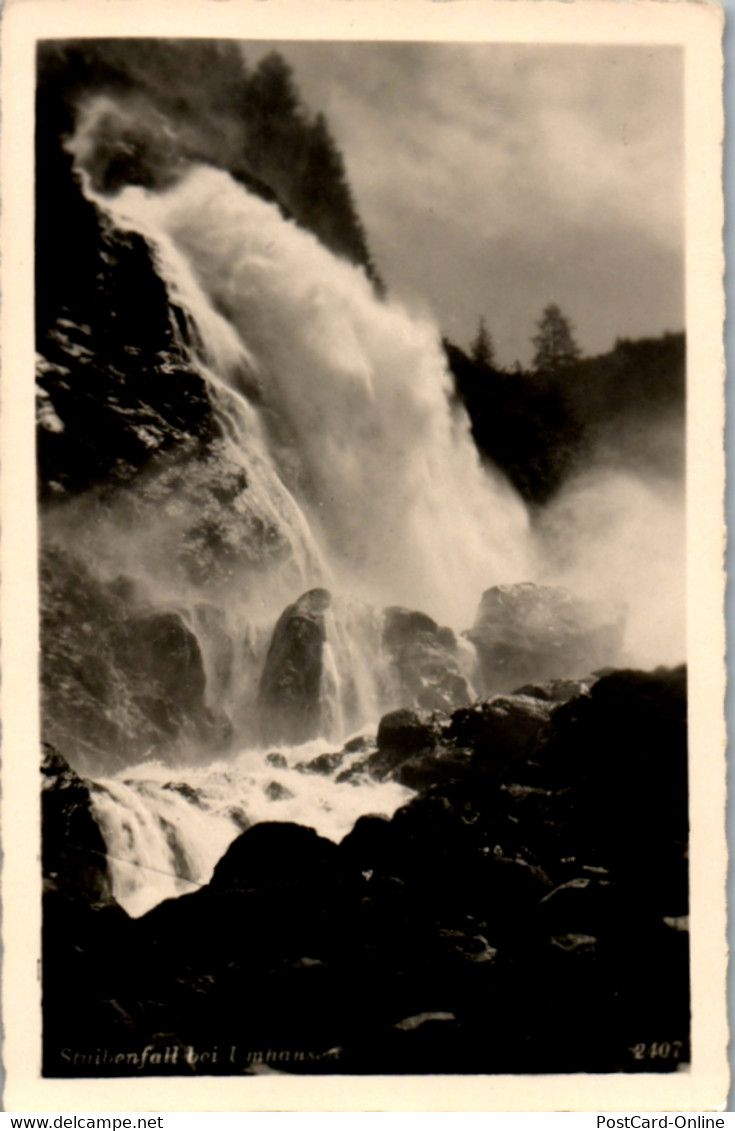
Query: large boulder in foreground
(274, 854)
(290, 693)
(423, 658)
(625, 747)
(528, 633)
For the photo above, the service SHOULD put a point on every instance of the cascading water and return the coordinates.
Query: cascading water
(165, 831)
(357, 474)
(351, 401)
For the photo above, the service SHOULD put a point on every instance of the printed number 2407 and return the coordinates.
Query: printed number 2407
(658, 1050)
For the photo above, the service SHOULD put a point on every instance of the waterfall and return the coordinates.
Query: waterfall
(339, 399)
(166, 828)
(343, 469)
(352, 468)
(346, 487)
(343, 503)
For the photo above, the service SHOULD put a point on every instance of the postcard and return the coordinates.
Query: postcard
(363, 696)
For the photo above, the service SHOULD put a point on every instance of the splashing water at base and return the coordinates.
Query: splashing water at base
(165, 830)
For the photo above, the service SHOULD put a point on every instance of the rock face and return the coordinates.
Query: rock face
(74, 855)
(115, 388)
(424, 668)
(141, 685)
(290, 695)
(530, 633)
(545, 892)
(500, 731)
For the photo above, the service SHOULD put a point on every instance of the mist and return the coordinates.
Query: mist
(618, 537)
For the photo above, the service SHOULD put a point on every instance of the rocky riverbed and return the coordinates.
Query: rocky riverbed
(524, 912)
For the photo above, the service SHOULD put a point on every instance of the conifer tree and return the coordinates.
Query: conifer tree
(556, 349)
(482, 349)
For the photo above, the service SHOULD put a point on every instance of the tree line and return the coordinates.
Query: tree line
(543, 423)
(215, 107)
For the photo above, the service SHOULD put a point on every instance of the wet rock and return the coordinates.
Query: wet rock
(116, 385)
(323, 764)
(558, 690)
(359, 745)
(165, 667)
(528, 633)
(140, 686)
(186, 791)
(404, 732)
(422, 750)
(411, 750)
(276, 760)
(216, 640)
(74, 856)
(498, 732)
(274, 791)
(443, 765)
(425, 672)
(239, 818)
(289, 697)
(170, 661)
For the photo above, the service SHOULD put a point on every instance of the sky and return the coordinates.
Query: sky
(494, 179)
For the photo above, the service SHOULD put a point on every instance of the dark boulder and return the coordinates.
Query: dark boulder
(367, 846)
(140, 686)
(528, 633)
(274, 854)
(169, 656)
(404, 732)
(424, 671)
(188, 792)
(411, 750)
(558, 690)
(275, 791)
(74, 855)
(423, 750)
(325, 764)
(440, 766)
(359, 745)
(166, 671)
(503, 730)
(624, 748)
(290, 693)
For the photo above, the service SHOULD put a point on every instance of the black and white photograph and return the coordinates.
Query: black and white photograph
(362, 390)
